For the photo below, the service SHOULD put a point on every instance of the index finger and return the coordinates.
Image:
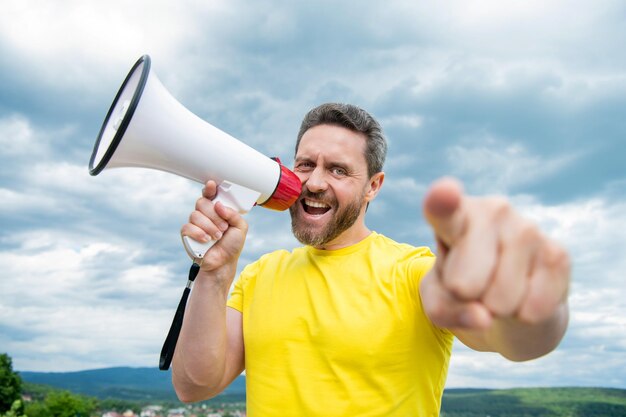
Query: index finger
(442, 209)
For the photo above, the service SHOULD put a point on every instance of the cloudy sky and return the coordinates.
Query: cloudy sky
(525, 99)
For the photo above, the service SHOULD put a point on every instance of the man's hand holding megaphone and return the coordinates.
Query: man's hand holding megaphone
(215, 221)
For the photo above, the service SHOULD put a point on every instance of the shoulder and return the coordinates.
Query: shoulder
(413, 261)
(401, 251)
(248, 275)
(276, 256)
(271, 260)
(267, 266)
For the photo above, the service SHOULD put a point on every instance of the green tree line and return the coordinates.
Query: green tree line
(46, 401)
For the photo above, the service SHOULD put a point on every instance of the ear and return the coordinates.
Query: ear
(374, 186)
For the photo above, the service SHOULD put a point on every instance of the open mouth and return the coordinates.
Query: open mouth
(315, 208)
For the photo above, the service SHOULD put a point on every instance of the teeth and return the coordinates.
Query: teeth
(317, 204)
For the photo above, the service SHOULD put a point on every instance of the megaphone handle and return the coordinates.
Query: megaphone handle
(195, 249)
(232, 195)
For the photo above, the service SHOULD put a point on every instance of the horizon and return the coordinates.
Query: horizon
(243, 375)
(523, 100)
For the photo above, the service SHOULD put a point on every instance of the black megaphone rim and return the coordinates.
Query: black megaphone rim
(127, 117)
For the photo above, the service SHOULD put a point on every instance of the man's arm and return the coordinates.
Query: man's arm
(499, 284)
(210, 352)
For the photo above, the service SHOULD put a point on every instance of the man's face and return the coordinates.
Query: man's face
(331, 164)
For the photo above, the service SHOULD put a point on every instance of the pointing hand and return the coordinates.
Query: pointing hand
(491, 263)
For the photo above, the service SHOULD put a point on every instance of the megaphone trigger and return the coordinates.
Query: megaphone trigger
(234, 196)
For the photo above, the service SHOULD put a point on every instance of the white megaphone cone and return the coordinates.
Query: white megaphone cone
(147, 127)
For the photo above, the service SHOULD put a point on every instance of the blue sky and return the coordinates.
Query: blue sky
(523, 99)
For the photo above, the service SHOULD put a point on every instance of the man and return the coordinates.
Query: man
(354, 323)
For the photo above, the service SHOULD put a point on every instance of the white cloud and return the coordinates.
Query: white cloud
(86, 337)
(16, 135)
(532, 29)
(105, 35)
(24, 145)
(493, 166)
(403, 120)
(592, 229)
(59, 187)
(479, 369)
(19, 202)
(83, 303)
(407, 189)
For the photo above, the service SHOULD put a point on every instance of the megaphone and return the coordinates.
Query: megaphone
(147, 127)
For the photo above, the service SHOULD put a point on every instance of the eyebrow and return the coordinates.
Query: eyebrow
(328, 164)
(340, 165)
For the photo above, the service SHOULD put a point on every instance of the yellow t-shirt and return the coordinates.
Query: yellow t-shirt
(341, 333)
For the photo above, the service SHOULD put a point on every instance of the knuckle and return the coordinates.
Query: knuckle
(199, 203)
(535, 312)
(526, 234)
(501, 309)
(529, 231)
(559, 258)
(538, 308)
(500, 206)
(194, 217)
(463, 289)
(504, 296)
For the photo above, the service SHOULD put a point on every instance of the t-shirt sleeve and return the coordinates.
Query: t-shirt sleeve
(420, 263)
(419, 266)
(242, 287)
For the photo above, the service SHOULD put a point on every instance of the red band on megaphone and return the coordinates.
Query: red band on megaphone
(287, 191)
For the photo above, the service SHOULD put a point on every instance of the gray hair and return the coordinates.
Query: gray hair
(355, 119)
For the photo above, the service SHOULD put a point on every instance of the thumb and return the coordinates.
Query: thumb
(442, 209)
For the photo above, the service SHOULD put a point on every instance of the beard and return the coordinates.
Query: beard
(342, 220)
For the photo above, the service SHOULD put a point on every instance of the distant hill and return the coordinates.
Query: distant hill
(124, 383)
(150, 384)
(539, 402)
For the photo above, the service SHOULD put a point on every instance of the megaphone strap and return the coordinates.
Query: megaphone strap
(167, 352)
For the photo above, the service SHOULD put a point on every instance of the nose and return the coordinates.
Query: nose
(316, 181)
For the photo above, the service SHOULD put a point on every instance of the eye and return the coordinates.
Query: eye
(340, 172)
(304, 166)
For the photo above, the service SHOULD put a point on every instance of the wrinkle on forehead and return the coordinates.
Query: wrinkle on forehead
(334, 144)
